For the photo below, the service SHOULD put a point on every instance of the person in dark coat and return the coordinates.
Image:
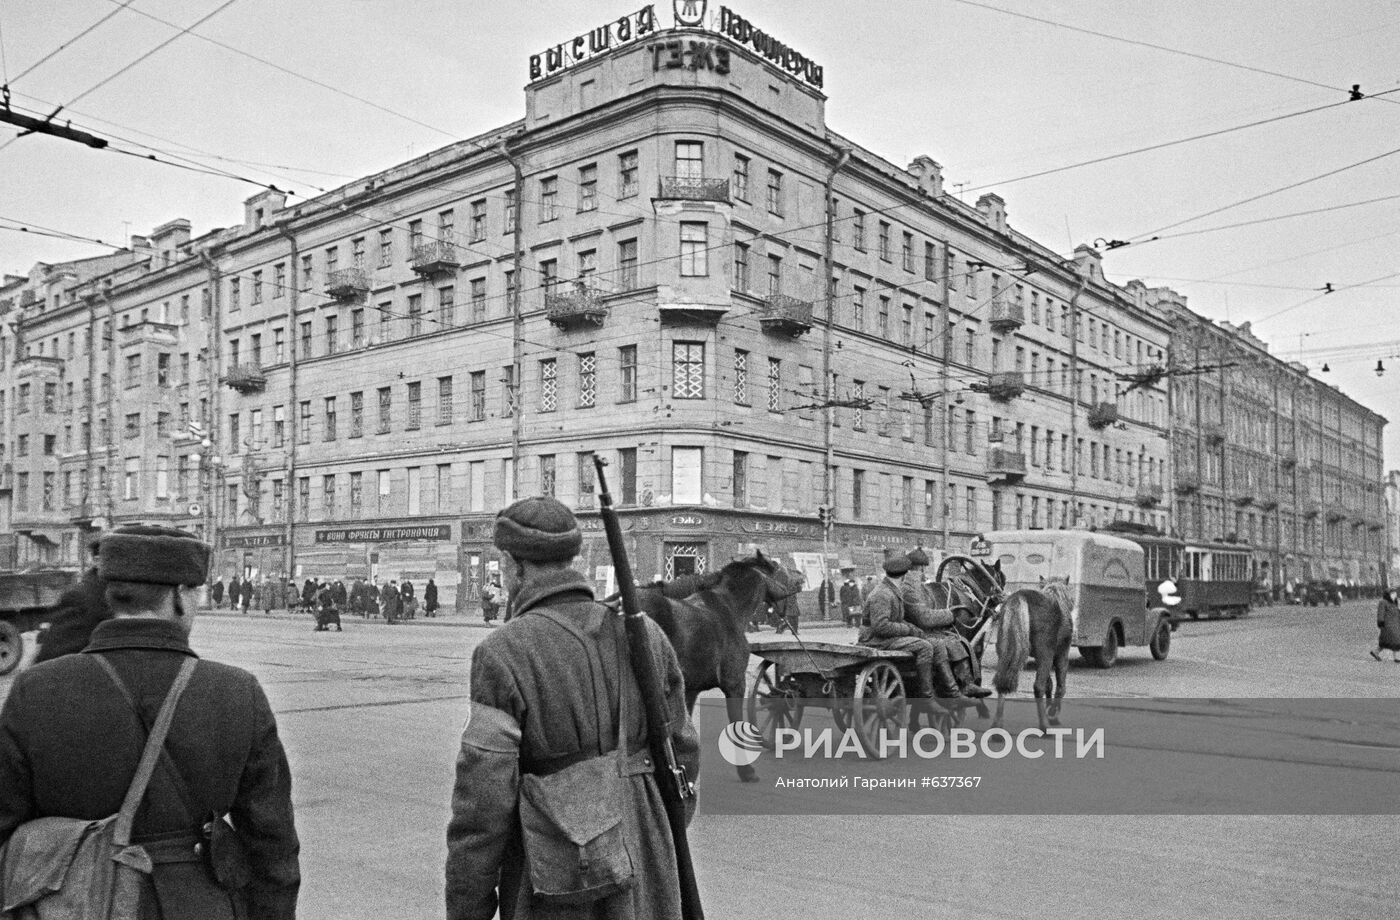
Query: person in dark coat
(291, 597)
(245, 598)
(1388, 621)
(407, 597)
(216, 593)
(76, 615)
(338, 595)
(390, 601)
(233, 589)
(430, 599)
(890, 629)
(70, 740)
(308, 594)
(269, 596)
(534, 707)
(852, 603)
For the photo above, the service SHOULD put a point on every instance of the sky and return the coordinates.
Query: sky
(995, 91)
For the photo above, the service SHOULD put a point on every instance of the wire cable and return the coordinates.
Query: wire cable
(70, 42)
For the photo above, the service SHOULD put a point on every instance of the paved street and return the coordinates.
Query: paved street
(371, 718)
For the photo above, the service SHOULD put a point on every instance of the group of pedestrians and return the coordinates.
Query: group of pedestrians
(552, 691)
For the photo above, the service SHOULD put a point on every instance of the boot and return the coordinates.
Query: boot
(945, 685)
(962, 673)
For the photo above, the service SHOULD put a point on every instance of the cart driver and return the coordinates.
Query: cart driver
(937, 624)
(890, 629)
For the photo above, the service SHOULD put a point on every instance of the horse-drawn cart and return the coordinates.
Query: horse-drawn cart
(862, 688)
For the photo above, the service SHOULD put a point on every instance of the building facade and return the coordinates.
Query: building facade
(776, 338)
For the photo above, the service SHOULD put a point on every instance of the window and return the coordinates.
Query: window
(477, 220)
(510, 210)
(883, 318)
(386, 405)
(587, 380)
(415, 406)
(357, 488)
(444, 413)
(415, 314)
(444, 487)
(133, 425)
(741, 377)
(548, 475)
(234, 293)
(478, 391)
(447, 307)
(447, 227)
(930, 260)
(741, 177)
(775, 275)
(627, 265)
(739, 474)
(549, 385)
(775, 192)
(970, 343)
(587, 488)
(741, 267)
(549, 275)
(133, 368)
(906, 252)
(907, 328)
(627, 174)
(588, 188)
(690, 160)
(775, 385)
(357, 327)
(970, 432)
(131, 479)
(415, 234)
(687, 479)
(884, 241)
(305, 340)
(51, 440)
(627, 365)
(858, 229)
(858, 494)
(257, 287)
(508, 393)
(694, 249)
(478, 296)
(549, 199)
(330, 418)
(688, 370)
(384, 492)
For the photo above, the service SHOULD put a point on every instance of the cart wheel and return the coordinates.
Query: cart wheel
(839, 701)
(11, 647)
(1161, 639)
(774, 701)
(878, 704)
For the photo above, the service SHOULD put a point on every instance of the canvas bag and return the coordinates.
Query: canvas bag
(574, 837)
(71, 869)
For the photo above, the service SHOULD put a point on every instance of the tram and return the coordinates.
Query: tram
(1212, 579)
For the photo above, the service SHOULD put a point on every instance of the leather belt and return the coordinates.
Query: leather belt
(173, 848)
(638, 762)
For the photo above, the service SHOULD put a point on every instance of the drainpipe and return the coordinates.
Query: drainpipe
(109, 401)
(212, 363)
(828, 486)
(1074, 395)
(517, 323)
(946, 334)
(293, 299)
(91, 407)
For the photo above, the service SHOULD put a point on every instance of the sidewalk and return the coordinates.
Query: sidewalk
(455, 620)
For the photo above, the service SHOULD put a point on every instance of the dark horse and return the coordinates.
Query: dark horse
(971, 590)
(705, 617)
(1039, 622)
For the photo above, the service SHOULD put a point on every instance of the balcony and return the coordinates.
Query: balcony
(1243, 499)
(1148, 496)
(1187, 483)
(579, 307)
(1102, 415)
(245, 378)
(1005, 465)
(1335, 515)
(1267, 500)
(1214, 434)
(784, 315)
(688, 188)
(691, 314)
(436, 258)
(1006, 316)
(1006, 385)
(348, 284)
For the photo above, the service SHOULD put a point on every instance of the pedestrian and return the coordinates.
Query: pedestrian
(850, 596)
(216, 593)
(390, 601)
(77, 613)
(245, 599)
(74, 730)
(430, 599)
(490, 600)
(269, 596)
(544, 690)
(291, 596)
(233, 589)
(338, 594)
(308, 594)
(1388, 621)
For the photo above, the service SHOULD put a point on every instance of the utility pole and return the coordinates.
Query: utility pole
(517, 322)
(292, 359)
(1074, 392)
(108, 398)
(212, 362)
(946, 335)
(828, 473)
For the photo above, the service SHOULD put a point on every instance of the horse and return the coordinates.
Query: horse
(1040, 622)
(972, 593)
(707, 627)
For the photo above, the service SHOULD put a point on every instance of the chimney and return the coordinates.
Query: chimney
(928, 175)
(993, 211)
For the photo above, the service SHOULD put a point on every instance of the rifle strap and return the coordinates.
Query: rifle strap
(155, 744)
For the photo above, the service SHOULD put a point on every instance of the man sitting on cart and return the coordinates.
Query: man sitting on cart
(889, 628)
(937, 623)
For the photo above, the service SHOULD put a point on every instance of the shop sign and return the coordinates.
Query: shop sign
(689, 55)
(736, 27)
(779, 527)
(980, 547)
(623, 31)
(384, 534)
(253, 541)
(687, 520)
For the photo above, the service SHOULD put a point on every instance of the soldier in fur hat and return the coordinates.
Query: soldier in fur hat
(545, 692)
(73, 729)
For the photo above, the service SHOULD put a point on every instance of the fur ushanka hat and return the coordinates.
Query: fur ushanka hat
(153, 555)
(896, 564)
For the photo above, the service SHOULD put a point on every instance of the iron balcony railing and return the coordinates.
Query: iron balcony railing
(1006, 314)
(245, 378)
(347, 282)
(1102, 415)
(1004, 385)
(693, 188)
(436, 257)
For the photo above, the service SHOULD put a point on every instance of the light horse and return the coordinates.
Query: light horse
(705, 617)
(1039, 622)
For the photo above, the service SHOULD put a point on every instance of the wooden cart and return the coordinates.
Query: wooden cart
(863, 689)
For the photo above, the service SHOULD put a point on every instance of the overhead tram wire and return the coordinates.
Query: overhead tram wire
(34, 229)
(32, 67)
(1334, 290)
(1276, 217)
(1166, 48)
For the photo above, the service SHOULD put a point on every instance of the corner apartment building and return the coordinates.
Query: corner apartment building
(641, 268)
(1266, 454)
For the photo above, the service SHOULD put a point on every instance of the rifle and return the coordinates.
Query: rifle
(676, 788)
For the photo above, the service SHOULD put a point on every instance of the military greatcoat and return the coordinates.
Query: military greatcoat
(533, 704)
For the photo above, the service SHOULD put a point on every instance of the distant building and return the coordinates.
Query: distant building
(370, 397)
